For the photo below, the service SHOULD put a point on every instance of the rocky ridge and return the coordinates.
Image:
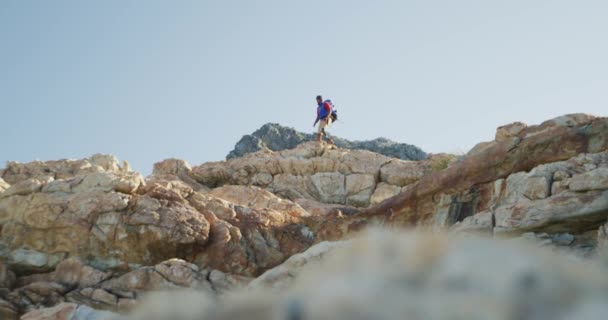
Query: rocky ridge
(90, 233)
(274, 137)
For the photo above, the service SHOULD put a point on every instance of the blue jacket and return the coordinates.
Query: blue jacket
(324, 109)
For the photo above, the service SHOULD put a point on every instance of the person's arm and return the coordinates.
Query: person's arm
(317, 120)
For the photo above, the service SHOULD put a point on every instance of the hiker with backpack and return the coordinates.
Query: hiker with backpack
(326, 115)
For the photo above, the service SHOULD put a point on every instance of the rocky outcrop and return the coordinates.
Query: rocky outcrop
(114, 220)
(386, 275)
(518, 183)
(77, 283)
(317, 172)
(90, 232)
(275, 137)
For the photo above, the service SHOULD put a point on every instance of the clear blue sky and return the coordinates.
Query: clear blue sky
(149, 80)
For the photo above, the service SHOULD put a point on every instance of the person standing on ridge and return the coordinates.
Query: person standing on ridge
(324, 111)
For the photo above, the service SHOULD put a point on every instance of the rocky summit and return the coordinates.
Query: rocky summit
(273, 136)
(515, 229)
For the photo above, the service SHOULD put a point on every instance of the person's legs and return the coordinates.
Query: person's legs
(321, 130)
(327, 123)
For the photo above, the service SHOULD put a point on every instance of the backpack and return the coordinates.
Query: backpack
(334, 115)
(334, 112)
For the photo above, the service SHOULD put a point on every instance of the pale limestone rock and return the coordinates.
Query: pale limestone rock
(560, 175)
(330, 187)
(108, 181)
(480, 223)
(311, 171)
(175, 169)
(316, 208)
(359, 189)
(384, 191)
(126, 167)
(536, 188)
(106, 162)
(3, 185)
(257, 198)
(292, 187)
(24, 187)
(89, 216)
(60, 169)
(567, 213)
(401, 173)
(596, 179)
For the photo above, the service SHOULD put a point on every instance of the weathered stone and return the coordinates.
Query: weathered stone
(316, 208)
(97, 221)
(60, 169)
(509, 131)
(596, 179)
(330, 187)
(313, 171)
(7, 277)
(8, 311)
(384, 191)
(69, 311)
(3, 185)
(550, 144)
(359, 189)
(256, 198)
(481, 147)
(570, 212)
(104, 297)
(401, 173)
(262, 179)
(560, 175)
(536, 188)
(71, 272)
(37, 295)
(560, 186)
(24, 187)
(480, 223)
